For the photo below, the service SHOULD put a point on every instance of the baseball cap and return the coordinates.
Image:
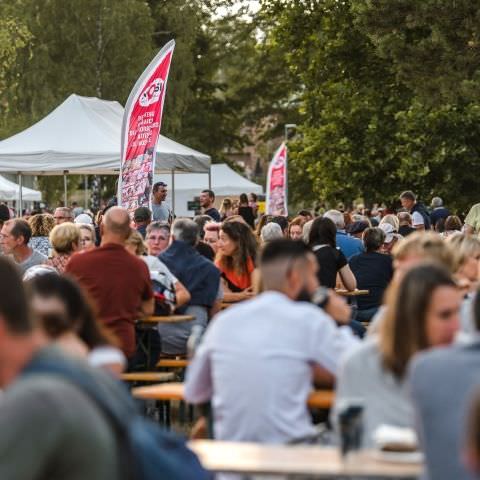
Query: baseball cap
(84, 218)
(357, 227)
(388, 230)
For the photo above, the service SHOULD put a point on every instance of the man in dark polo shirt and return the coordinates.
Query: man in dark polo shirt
(117, 281)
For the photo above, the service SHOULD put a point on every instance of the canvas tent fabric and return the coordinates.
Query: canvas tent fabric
(83, 136)
(225, 182)
(10, 191)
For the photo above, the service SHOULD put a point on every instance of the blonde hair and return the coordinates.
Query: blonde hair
(86, 226)
(391, 220)
(136, 240)
(464, 247)
(63, 237)
(41, 224)
(428, 246)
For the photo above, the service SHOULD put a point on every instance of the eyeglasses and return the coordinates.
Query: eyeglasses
(62, 218)
(157, 239)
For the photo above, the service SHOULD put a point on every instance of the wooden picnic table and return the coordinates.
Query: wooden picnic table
(351, 293)
(147, 377)
(167, 319)
(299, 460)
(175, 391)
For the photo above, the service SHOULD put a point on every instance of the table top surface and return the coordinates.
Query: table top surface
(322, 462)
(147, 377)
(351, 293)
(175, 391)
(167, 319)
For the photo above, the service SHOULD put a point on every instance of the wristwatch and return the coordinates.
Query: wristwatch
(320, 297)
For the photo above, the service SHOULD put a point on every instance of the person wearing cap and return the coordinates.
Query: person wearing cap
(160, 211)
(142, 218)
(438, 211)
(83, 219)
(356, 229)
(391, 238)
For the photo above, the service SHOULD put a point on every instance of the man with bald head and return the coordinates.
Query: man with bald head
(116, 281)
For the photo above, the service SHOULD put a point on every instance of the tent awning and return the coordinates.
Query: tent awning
(10, 191)
(82, 136)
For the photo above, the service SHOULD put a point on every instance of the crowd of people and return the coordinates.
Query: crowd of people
(75, 287)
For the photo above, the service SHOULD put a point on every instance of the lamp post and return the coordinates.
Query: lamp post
(289, 126)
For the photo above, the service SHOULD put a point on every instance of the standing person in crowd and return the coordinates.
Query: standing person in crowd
(441, 383)
(391, 220)
(76, 210)
(226, 209)
(69, 437)
(262, 221)
(41, 225)
(14, 238)
(83, 219)
(283, 222)
(237, 250)
(65, 240)
(62, 215)
(87, 236)
(121, 289)
(207, 200)
(331, 260)
(270, 231)
(472, 220)
(212, 235)
(423, 312)
(438, 211)
(295, 228)
(278, 331)
(65, 318)
(253, 203)
(202, 247)
(405, 224)
(199, 276)
(246, 211)
(452, 225)
(142, 216)
(420, 216)
(158, 238)
(306, 214)
(373, 271)
(356, 228)
(160, 210)
(349, 246)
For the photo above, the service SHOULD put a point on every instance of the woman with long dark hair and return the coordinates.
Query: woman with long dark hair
(237, 250)
(330, 259)
(246, 211)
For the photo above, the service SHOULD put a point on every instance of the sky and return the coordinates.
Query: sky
(254, 6)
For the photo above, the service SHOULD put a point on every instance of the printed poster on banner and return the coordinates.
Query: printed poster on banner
(277, 183)
(141, 129)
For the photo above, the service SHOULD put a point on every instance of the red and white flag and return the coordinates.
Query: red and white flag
(141, 129)
(277, 183)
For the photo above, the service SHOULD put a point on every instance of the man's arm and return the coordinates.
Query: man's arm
(182, 294)
(148, 307)
(198, 378)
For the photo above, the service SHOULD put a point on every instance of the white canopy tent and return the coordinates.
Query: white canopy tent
(82, 136)
(224, 182)
(10, 191)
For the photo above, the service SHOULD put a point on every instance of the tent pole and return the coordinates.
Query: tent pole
(20, 195)
(209, 178)
(173, 192)
(65, 204)
(85, 185)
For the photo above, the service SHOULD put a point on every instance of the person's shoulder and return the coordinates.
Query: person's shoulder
(439, 359)
(361, 354)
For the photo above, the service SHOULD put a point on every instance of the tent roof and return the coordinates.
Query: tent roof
(82, 136)
(9, 191)
(225, 181)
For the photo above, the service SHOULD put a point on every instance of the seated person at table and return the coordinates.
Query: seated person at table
(330, 259)
(65, 240)
(441, 382)
(472, 448)
(158, 238)
(349, 245)
(256, 359)
(373, 271)
(237, 249)
(423, 312)
(199, 276)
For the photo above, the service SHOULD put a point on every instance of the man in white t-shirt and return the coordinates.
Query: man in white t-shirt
(257, 358)
(420, 216)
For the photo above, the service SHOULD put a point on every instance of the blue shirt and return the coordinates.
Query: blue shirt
(199, 275)
(349, 246)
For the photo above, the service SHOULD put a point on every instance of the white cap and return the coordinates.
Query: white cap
(388, 230)
(84, 218)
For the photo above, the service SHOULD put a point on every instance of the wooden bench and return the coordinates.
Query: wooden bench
(173, 363)
(299, 461)
(174, 391)
(148, 377)
(167, 319)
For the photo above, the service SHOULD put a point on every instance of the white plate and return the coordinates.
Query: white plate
(400, 457)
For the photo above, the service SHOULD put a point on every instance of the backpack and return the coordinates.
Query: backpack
(150, 453)
(165, 297)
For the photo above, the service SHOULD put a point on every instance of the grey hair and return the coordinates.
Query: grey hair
(437, 202)
(271, 231)
(336, 217)
(185, 230)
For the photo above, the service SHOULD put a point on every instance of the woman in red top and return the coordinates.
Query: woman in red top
(237, 250)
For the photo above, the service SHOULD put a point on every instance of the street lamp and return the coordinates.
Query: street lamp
(289, 126)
